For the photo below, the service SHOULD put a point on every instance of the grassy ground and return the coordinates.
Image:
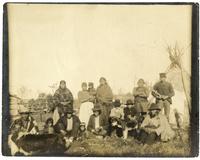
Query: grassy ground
(112, 146)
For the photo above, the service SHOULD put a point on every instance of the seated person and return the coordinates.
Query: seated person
(98, 124)
(20, 127)
(82, 134)
(155, 127)
(130, 117)
(117, 118)
(49, 128)
(68, 125)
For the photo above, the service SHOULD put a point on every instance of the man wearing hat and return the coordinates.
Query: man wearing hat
(130, 117)
(62, 98)
(98, 124)
(163, 92)
(20, 127)
(117, 118)
(68, 125)
(155, 127)
(141, 93)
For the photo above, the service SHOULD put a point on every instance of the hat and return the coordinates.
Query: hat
(68, 110)
(154, 107)
(96, 108)
(129, 102)
(23, 110)
(117, 103)
(162, 75)
(141, 81)
(82, 124)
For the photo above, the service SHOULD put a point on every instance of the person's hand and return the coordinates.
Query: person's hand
(98, 129)
(63, 132)
(164, 97)
(92, 130)
(71, 139)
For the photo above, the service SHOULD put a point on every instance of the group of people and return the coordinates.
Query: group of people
(101, 116)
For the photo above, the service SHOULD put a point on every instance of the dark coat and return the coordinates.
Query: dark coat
(129, 112)
(63, 95)
(102, 120)
(164, 88)
(62, 125)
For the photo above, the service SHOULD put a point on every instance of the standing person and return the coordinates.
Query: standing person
(155, 127)
(86, 105)
(92, 91)
(62, 98)
(141, 93)
(163, 92)
(98, 124)
(104, 97)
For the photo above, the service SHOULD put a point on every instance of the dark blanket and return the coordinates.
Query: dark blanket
(41, 143)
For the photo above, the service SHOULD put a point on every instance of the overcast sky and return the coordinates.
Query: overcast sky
(77, 43)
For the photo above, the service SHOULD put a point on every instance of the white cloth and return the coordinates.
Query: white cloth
(117, 112)
(85, 112)
(97, 122)
(69, 124)
(56, 116)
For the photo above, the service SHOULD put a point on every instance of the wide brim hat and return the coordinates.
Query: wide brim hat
(82, 124)
(68, 110)
(163, 75)
(117, 103)
(24, 110)
(129, 102)
(154, 107)
(96, 108)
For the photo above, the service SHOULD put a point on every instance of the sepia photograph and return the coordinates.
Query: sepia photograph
(100, 80)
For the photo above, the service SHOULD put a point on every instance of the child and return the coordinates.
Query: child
(82, 131)
(48, 128)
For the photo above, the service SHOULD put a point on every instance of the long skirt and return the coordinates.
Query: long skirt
(85, 112)
(56, 116)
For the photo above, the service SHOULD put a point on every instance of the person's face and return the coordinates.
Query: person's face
(102, 82)
(140, 84)
(130, 105)
(63, 85)
(24, 116)
(153, 113)
(162, 79)
(90, 86)
(69, 115)
(84, 87)
(96, 113)
(50, 124)
(82, 128)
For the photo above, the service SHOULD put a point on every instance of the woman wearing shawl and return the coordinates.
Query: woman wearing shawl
(62, 98)
(104, 97)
